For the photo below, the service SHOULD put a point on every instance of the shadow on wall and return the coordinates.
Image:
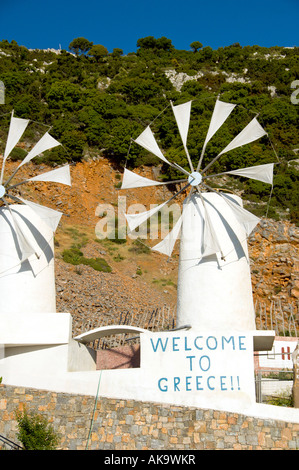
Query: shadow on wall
(123, 357)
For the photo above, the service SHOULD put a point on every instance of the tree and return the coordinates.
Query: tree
(117, 52)
(80, 45)
(98, 52)
(196, 45)
(35, 433)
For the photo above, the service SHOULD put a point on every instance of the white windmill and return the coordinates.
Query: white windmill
(27, 282)
(214, 283)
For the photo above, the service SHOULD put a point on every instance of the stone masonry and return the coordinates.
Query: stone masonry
(110, 424)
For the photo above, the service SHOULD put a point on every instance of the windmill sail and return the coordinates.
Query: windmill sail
(134, 220)
(131, 180)
(167, 244)
(182, 115)
(221, 112)
(51, 217)
(25, 246)
(59, 175)
(262, 173)
(45, 143)
(250, 133)
(244, 217)
(148, 141)
(16, 129)
(210, 244)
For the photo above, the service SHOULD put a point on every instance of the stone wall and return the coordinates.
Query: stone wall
(134, 425)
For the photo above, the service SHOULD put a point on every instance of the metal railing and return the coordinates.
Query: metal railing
(273, 383)
(8, 444)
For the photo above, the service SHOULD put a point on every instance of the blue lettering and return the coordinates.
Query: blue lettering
(198, 377)
(165, 388)
(208, 382)
(190, 357)
(186, 348)
(215, 342)
(159, 341)
(188, 384)
(195, 342)
(176, 381)
(228, 341)
(175, 345)
(222, 383)
(201, 363)
(241, 344)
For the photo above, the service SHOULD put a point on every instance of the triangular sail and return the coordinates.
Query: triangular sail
(59, 175)
(182, 116)
(134, 220)
(16, 129)
(245, 218)
(148, 141)
(45, 143)
(131, 180)
(51, 217)
(262, 173)
(210, 243)
(250, 133)
(25, 246)
(166, 246)
(221, 112)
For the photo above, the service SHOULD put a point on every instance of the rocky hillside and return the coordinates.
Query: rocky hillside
(140, 281)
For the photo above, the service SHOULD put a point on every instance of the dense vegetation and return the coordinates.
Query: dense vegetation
(97, 101)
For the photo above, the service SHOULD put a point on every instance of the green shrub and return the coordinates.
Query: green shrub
(75, 256)
(35, 433)
(138, 247)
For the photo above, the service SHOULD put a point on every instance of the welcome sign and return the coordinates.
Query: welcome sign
(207, 366)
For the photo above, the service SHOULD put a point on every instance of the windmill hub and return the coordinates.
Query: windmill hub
(2, 191)
(195, 178)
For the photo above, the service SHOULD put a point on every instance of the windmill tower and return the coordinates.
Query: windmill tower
(214, 283)
(27, 281)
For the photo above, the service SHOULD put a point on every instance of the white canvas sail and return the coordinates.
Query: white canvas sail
(148, 141)
(131, 180)
(244, 217)
(210, 242)
(166, 246)
(134, 220)
(59, 175)
(45, 143)
(16, 129)
(262, 173)
(25, 246)
(50, 216)
(182, 116)
(221, 112)
(250, 133)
